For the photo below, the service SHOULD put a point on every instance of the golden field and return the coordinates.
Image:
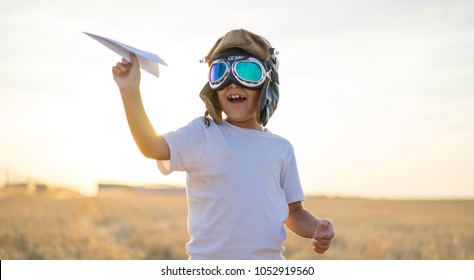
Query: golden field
(59, 225)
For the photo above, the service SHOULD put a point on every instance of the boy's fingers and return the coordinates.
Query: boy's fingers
(134, 59)
(320, 245)
(115, 70)
(320, 248)
(323, 235)
(322, 241)
(324, 232)
(323, 228)
(322, 225)
(327, 235)
(121, 67)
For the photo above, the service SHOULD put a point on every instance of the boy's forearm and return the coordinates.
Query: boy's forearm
(302, 222)
(141, 128)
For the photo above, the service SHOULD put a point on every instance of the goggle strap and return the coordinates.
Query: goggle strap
(274, 76)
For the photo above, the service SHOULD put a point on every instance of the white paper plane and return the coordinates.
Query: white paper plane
(148, 61)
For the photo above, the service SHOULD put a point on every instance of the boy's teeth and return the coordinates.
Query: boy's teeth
(235, 98)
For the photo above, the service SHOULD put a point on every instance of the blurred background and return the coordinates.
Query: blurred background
(376, 97)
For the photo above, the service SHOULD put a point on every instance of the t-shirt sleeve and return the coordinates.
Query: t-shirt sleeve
(184, 146)
(290, 179)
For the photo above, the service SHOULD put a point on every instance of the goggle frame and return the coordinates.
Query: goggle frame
(231, 66)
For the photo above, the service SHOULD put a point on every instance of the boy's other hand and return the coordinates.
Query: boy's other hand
(323, 235)
(127, 75)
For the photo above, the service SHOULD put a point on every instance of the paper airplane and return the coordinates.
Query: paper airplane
(148, 61)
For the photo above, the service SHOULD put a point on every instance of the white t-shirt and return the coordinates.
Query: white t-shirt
(239, 184)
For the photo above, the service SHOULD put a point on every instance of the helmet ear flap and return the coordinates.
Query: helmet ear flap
(268, 101)
(270, 93)
(213, 107)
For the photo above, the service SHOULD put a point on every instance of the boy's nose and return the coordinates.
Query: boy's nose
(232, 85)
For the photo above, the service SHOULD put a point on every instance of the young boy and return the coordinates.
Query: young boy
(242, 181)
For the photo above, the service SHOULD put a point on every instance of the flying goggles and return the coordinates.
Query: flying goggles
(247, 72)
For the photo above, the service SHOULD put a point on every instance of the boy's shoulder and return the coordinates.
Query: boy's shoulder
(279, 138)
(198, 122)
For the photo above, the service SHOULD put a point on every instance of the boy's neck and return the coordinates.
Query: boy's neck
(247, 124)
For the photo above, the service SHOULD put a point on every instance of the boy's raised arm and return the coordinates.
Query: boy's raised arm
(127, 77)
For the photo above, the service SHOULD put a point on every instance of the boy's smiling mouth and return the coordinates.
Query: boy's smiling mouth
(236, 98)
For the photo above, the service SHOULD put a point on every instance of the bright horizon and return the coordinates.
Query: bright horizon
(377, 99)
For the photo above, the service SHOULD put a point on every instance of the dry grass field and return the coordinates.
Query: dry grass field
(57, 225)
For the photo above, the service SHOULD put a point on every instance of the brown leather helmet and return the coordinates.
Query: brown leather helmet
(258, 47)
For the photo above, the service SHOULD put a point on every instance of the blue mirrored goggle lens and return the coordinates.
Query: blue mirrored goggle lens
(217, 72)
(249, 71)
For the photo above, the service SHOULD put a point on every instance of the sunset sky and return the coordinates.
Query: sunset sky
(377, 97)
